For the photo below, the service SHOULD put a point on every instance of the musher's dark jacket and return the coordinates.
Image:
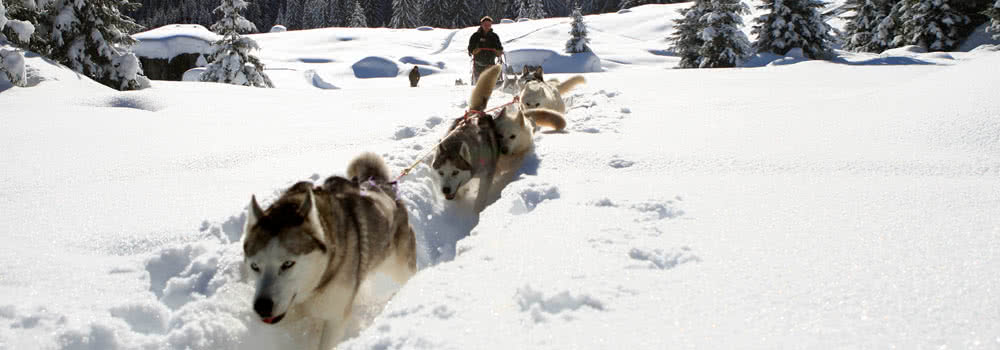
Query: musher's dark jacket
(481, 40)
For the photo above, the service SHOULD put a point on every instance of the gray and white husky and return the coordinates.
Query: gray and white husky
(311, 249)
(470, 149)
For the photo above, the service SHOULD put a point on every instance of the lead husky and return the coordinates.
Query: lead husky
(470, 149)
(314, 246)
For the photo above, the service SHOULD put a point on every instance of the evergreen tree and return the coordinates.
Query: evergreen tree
(686, 40)
(358, 19)
(536, 10)
(91, 38)
(888, 31)
(862, 27)
(933, 24)
(578, 34)
(405, 14)
(523, 9)
(725, 44)
(558, 8)
(232, 62)
(994, 14)
(281, 19)
(464, 16)
(315, 14)
(439, 13)
(792, 23)
(12, 61)
(293, 14)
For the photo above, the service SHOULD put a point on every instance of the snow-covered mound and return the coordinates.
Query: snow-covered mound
(171, 40)
(554, 62)
(820, 204)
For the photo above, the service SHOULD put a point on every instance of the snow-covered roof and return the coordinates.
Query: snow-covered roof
(174, 39)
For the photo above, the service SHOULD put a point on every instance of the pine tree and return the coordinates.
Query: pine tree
(686, 40)
(439, 13)
(12, 61)
(232, 62)
(464, 17)
(862, 27)
(405, 14)
(933, 24)
(91, 37)
(994, 14)
(523, 9)
(888, 31)
(314, 14)
(578, 34)
(536, 10)
(281, 19)
(294, 14)
(725, 44)
(792, 23)
(358, 19)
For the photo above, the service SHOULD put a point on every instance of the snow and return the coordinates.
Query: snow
(277, 28)
(23, 29)
(858, 210)
(171, 40)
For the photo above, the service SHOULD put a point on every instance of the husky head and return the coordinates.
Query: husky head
(531, 73)
(285, 253)
(536, 94)
(453, 163)
(514, 131)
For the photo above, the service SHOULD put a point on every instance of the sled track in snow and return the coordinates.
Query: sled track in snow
(447, 42)
(534, 31)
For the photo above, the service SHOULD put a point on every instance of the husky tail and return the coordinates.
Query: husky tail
(546, 117)
(367, 166)
(484, 88)
(571, 83)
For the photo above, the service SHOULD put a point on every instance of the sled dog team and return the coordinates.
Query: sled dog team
(310, 250)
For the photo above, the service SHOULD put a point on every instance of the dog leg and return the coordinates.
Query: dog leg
(485, 183)
(332, 332)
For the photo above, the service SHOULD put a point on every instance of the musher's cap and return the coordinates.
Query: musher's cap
(485, 18)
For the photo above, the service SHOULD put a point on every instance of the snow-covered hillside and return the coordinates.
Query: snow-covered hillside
(802, 204)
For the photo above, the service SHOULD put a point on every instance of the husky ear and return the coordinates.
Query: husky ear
(520, 116)
(308, 205)
(254, 213)
(465, 153)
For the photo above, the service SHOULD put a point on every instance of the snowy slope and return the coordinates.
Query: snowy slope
(798, 205)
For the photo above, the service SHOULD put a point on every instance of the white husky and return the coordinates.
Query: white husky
(547, 94)
(309, 252)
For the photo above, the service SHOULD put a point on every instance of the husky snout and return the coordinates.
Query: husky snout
(448, 194)
(263, 306)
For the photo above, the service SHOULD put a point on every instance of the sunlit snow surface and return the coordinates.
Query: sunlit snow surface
(801, 204)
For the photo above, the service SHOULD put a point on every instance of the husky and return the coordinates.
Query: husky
(516, 128)
(414, 76)
(528, 73)
(470, 149)
(311, 249)
(547, 94)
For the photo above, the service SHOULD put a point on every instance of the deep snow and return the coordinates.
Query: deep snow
(802, 204)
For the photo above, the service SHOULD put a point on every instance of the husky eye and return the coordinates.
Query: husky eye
(441, 173)
(254, 267)
(454, 173)
(287, 265)
(513, 136)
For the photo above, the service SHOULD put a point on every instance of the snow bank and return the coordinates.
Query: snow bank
(277, 28)
(169, 41)
(375, 67)
(554, 62)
